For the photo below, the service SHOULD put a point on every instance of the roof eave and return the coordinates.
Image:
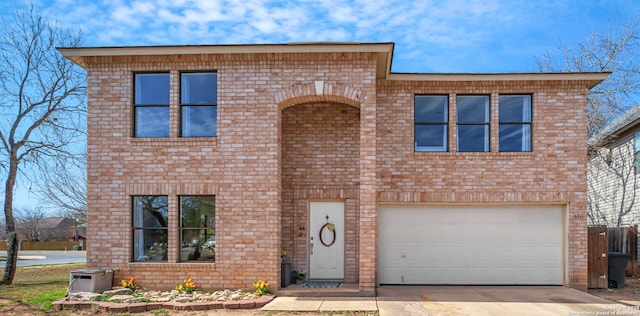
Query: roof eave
(590, 78)
(632, 125)
(384, 59)
(77, 54)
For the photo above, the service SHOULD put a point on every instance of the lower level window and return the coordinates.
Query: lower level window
(197, 228)
(150, 216)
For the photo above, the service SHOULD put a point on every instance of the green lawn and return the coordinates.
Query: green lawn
(35, 288)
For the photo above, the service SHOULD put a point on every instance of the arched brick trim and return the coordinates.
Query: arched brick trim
(319, 91)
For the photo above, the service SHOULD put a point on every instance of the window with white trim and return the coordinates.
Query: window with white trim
(636, 151)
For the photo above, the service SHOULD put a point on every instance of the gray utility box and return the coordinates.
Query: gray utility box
(285, 273)
(96, 281)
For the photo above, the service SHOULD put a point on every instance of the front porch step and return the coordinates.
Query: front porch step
(345, 290)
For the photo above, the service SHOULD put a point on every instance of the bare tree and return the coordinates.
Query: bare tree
(612, 186)
(64, 187)
(29, 223)
(615, 51)
(612, 183)
(42, 107)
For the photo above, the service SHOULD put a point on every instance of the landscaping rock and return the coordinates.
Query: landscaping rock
(183, 299)
(120, 298)
(83, 296)
(119, 291)
(123, 300)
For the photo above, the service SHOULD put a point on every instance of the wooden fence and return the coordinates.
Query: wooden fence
(48, 245)
(625, 240)
(601, 241)
(597, 259)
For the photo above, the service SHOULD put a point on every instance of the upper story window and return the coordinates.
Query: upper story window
(636, 151)
(197, 228)
(431, 117)
(150, 217)
(473, 123)
(198, 100)
(515, 123)
(151, 105)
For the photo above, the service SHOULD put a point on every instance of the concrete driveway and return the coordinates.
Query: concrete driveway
(494, 300)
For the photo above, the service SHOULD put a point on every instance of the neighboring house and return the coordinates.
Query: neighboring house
(51, 228)
(207, 161)
(62, 228)
(613, 183)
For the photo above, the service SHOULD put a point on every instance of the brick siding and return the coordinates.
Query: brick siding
(295, 127)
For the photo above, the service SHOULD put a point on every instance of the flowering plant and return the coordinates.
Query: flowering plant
(187, 286)
(299, 274)
(129, 283)
(262, 287)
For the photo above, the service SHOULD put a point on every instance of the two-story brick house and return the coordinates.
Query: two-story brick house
(207, 161)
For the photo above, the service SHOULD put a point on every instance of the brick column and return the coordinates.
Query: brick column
(368, 225)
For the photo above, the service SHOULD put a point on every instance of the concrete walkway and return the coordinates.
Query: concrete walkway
(462, 300)
(322, 304)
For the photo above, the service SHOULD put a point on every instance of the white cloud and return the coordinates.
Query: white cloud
(432, 35)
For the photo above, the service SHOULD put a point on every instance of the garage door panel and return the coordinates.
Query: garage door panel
(470, 245)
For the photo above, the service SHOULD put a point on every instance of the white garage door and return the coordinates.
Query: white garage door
(471, 245)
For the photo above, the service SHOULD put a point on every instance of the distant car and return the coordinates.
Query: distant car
(210, 243)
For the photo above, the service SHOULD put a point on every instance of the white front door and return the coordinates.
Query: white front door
(326, 241)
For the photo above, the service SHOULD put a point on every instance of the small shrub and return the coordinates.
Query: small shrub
(187, 286)
(130, 284)
(262, 287)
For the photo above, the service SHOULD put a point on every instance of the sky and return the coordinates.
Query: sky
(474, 36)
(477, 36)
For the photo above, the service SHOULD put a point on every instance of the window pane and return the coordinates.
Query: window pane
(197, 228)
(636, 150)
(197, 211)
(199, 88)
(473, 138)
(150, 217)
(515, 108)
(152, 88)
(515, 137)
(431, 108)
(431, 137)
(472, 109)
(197, 244)
(199, 121)
(152, 121)
(150, 244)
(150, 211)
